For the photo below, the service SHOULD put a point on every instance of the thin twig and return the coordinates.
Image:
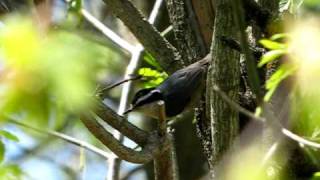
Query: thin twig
(107, 31)
(64, 137)
(284, 131)
(119, 83)
(236, 106)
(299, 139)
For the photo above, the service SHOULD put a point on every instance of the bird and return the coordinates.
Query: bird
(179, 91)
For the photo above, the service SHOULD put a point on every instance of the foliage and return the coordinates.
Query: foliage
(41, 71)
(276, 50)
(152, 77)
(10, 172)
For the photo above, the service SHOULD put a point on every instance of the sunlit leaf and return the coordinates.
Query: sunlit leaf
(9, 135)
(283, 72)
(150, 60)
(269, 94)
(279, 36)
(271, 56)
(152, 77)
(272, 44)
(316, 176)
(272, 83)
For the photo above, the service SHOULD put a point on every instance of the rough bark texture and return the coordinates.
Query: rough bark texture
(225, 74)
(165, 166)
(192, 23)
(150, 38)
(186, 30)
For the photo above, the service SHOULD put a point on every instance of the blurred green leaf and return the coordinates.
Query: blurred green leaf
(271, 56)
(74, 5)
(9, 135)
(272, 44)
(279, 36)
(316, 176)
(10, 172)
(150, 60)
(2, 151)
(269, 94)
(41, 72)
(272, 83)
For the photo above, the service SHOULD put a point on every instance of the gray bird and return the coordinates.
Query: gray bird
(179, 91)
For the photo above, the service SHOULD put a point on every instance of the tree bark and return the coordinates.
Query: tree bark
(225, 74)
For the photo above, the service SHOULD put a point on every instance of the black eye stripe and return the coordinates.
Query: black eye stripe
(140, 94)
(153, 96)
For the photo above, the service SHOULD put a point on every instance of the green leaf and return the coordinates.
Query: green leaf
(279, 36)
(10, 172)
(75, 5)
(271, 56)
(283, 72)
(272, 83)
(316, 176)
(152, 61)
(269, 94)
(9, 135)
(152, 77)
(2, 151)
(272, 44)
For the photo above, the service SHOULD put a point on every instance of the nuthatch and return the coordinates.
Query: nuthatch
(178, 91)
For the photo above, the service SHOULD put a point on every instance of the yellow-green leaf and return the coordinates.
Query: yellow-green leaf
(9, 135)
(272, 44)
(271, 56)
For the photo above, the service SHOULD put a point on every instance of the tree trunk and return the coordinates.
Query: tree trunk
(225, 74)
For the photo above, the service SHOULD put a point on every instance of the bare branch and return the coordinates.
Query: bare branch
(165, 165)
(65, 138)
(299, 139)
(107, 31)
(253, 76)
(102, 92)
(162, 127)
(284, 131)
(153, 42)
(123, 152)
(121, 124)
(235, 105)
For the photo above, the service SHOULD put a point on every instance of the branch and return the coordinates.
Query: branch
(253, 76)
(167, 55)
(107, 31)
(123, 152)
(102, 93)
(65, 138)
(121, 124)
(165, 165)
(284, 131)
